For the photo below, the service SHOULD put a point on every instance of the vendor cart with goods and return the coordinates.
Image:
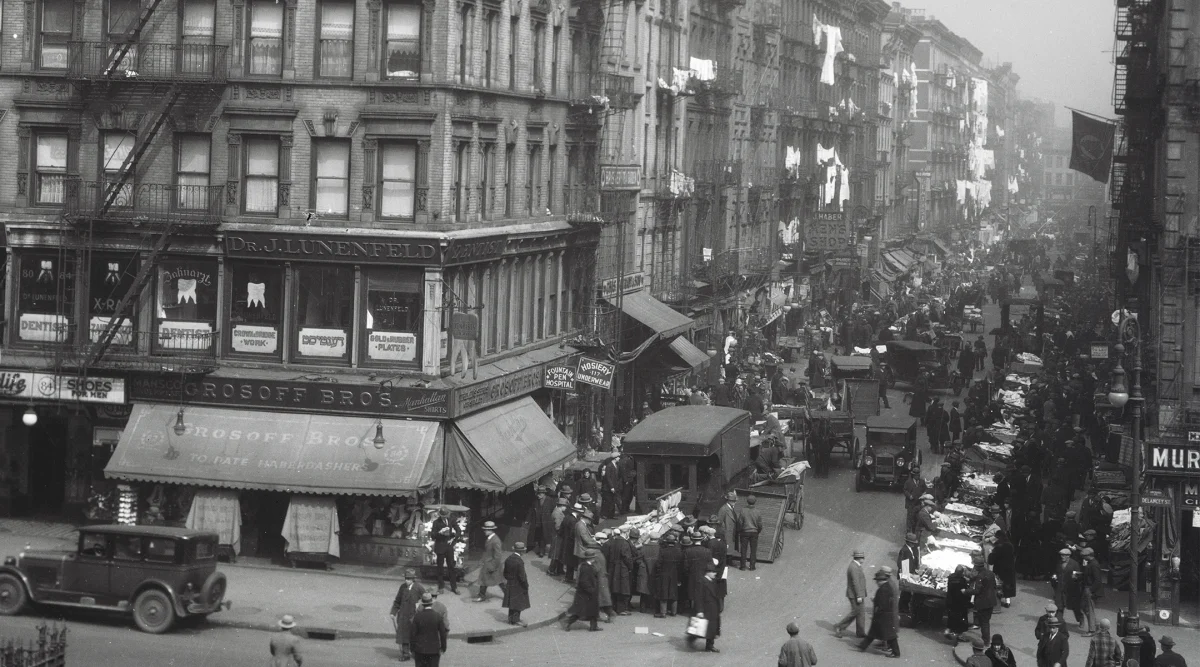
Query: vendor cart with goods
(855, 375)
(701, 450)
(829, 430)
(790, 483)
(888, 454)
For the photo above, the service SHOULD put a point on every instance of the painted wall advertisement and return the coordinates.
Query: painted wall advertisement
(497, 390)
(827, 230)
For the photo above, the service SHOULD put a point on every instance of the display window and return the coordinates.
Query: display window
(186, 305)
(110, 280)
(256, 309)
(393, 316)
(324, 312)
(45, 297)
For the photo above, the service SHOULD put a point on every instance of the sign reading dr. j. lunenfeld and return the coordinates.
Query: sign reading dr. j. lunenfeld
(49, 386)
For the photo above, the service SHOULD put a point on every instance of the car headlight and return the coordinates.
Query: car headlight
(899, 461)
(870, 461)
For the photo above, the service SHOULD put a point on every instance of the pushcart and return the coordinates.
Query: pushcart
(829, 430)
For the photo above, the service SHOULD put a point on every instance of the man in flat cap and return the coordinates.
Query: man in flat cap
(1092, 589)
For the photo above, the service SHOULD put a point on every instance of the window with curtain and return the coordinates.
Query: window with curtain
(462, 169)
(538, 43)
(514, 30)
(45, 297)
(336, 43)
(324, 311)
(122, 17)
(397, 180)
(264, 52)
(490, 28)
(255, 308)
(533, 177)
(111, 278)
(186, 308)
(118, 147)
(192, 171)
(197, 31)
(510, 190)
(50, 168)
(57, 26)
(464, 42)
(331, 187)
(261, 175)
(487, 164)
(402, 47)
(393, 317)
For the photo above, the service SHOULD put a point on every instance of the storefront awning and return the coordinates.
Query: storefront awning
(278, 451)
(653, 313)
(885, 276)
(900, 260)
(504, 448)
(691, 355)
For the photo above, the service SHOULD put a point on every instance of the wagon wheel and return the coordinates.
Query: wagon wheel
(854, 450)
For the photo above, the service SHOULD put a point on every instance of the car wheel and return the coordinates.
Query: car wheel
(153, 612)
(858, 481)
(213, 590)
(13, 596)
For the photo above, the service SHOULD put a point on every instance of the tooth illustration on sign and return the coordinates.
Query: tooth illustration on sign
(256, 295)
(47, 273)
(186, 290)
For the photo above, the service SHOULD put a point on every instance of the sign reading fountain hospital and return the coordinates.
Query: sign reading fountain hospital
(48, 386)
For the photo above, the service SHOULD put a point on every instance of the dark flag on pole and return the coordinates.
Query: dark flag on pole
(1091, 146)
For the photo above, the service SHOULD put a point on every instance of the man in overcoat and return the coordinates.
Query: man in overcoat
(516, 585)
(696, 559)
(544, 522)
(566, 542)
(856, 593)
(445, 535)
(491, 566)
(586, 604)
(404, 607)
(727, 520)
(1053, 648)
(429, 634)
(622, 561)
(666, 576)
(556, 518)
(883, 618)
(709, 604)
(647, 560)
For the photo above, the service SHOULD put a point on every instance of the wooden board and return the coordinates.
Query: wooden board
(773, 508)
(864, 399)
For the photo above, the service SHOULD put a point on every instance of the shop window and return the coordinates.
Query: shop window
(111, 278)
(324, 311)
(336, 44)
(45, 298)
(397, 180)
(680, 476)
(197, 33)
(57, 26)
(256, 309)
(186, 309)
(402, 45)
(264, 48)
(118, 148)
(192, 171)
(50, 168)
(331, 177)
(393, 315)
(262, 175)
(656, 476)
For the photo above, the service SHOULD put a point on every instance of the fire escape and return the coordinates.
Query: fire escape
(1137, 98)
(142, 87)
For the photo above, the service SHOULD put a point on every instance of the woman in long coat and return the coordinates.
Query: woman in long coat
(1003, 560)
(958, 602)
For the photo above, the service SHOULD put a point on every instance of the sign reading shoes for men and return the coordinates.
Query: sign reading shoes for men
(49, 386)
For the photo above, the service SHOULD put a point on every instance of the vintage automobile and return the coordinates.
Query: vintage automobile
(887, 456)
(158, 574)
(907, 359)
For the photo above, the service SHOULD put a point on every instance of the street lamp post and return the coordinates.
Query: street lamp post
(1118, 397)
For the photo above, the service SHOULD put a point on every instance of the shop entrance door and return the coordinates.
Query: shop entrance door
(265, 512)
(1189, 568)
(47, 470)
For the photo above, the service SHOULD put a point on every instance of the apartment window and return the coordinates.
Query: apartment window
(510, 190)
(121, 19)
(464, 42)
(490, 28)
(50, 168)
(551, 159)
(555, 45)
(539, 38)
(533, 178)
(197, 31)
(324, 311)
(331, 177)
(262, 175)
(487, 198)
(335, 44)
(58, 20)
(265, 48)
(45, 297)
(514, 28)
(118, 149)
(402, 50)
(393, 315)
(256, 309)
(186, 307)
(462, 172)
(397, 180)
(192, 171)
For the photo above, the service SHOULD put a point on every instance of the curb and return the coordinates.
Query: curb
(958, 658)
(268, 626)
(357, 575)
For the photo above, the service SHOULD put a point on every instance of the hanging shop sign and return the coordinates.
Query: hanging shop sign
(1173, 459)
(595, 372)
(53, 387)
(464, 326)
(302, 396)
(560, 377)
(1099, 350)
(487, 393)
(620, 177)
(827, 230)
(630, 282)
(1156, 498)
(335, 248)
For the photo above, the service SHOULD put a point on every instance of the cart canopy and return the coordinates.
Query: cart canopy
(849, 364)
(684, 430)
(890, 423)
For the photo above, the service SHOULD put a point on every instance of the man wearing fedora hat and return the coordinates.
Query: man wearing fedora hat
(516, 585)
(556, 520)
(429, 634)
(540, 526)
(1168, 657)
(856, 593)
(566, 542)
(285, 647)
(404, 607)
(883, 617)
(582, 540)
(727, 520)
(1053, 648)
(586, 604)
(445, 534)
(977, 658)
(491, 565)
(908, 560)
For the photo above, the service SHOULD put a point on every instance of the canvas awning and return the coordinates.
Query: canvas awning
(900, 260)
(689, 353)
(653, 313)
(277, 451)
(504, 447)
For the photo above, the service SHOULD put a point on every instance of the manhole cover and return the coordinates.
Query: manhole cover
(347, 607)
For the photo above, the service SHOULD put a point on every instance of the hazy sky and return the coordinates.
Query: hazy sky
(1058, 47)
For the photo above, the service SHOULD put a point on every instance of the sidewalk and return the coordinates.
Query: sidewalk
(347, 602)
(1017, 622)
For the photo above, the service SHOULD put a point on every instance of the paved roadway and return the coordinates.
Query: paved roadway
(806, 586)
